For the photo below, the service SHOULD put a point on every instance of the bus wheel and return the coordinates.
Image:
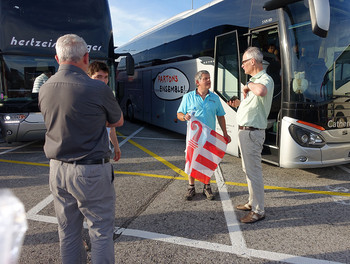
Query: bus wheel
(130, 112)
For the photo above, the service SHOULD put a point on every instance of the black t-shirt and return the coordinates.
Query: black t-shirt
(75, 109)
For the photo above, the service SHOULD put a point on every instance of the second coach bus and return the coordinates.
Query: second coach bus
(28, 33)
(306, 51)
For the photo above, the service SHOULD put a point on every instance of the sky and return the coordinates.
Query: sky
(132, 17)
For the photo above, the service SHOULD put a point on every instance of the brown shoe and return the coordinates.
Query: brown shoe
(208, 193)
(252, 218)
(191, 192)
(244, 207)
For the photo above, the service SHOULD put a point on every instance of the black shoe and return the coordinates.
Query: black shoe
(191, 192)
(208, 193)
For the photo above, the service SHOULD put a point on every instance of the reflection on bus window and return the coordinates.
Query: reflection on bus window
(40, 80)
(312, 56)
(337, 80)
(20, 74)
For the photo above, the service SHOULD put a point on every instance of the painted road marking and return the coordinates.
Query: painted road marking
(126, 139)
(18, 147)
(238, 246)
(261, 254)
(235, 233)
(266, 187)
(162, 160)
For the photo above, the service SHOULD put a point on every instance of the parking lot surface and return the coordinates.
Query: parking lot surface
(307, 211)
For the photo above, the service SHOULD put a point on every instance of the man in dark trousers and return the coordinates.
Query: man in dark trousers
(76, 109)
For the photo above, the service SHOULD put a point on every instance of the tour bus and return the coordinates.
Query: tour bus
(28, 32)
(306, 51)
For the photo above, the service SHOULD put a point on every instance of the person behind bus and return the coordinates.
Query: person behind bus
(76, 109)
(98, 70)
(207, 106)
(40, 80)
(252, 115)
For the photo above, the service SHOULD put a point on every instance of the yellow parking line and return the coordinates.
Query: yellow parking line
(25, 163)
(165, 162)
(149, 175)
(267, 187)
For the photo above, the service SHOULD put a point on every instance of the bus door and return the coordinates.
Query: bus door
(267, 39)
(227, 81)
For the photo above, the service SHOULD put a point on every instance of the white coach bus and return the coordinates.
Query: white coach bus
(306, 51)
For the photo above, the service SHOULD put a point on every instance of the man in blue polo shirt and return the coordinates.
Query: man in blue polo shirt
(206, 106)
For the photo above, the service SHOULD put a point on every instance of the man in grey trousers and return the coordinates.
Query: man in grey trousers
(76, 109)
(252, 121)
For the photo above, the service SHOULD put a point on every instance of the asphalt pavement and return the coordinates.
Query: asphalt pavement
(307, 211)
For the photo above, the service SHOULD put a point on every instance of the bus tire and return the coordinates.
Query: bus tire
(130, 112)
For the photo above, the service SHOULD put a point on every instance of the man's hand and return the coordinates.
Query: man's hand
(228, 138)
(234, 102)
(117, 154)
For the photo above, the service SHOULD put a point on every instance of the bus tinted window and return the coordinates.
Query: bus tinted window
(20, 74)
(313, 57)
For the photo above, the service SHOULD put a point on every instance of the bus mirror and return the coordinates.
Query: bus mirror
(320, 17)
(130, 65)
(319, 13)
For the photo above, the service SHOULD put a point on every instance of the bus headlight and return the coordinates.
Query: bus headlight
(14, 118)
(306, 138)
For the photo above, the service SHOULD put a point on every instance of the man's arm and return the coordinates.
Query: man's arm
(222, 123)
(257, 88)
(117, 124)
(183, 117)
(113, 138)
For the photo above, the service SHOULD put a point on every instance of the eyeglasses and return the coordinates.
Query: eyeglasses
(243, 62)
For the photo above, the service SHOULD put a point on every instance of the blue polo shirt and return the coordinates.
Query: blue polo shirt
(205, 110)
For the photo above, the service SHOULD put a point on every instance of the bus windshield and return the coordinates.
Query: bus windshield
(320, 70)
(22, 78)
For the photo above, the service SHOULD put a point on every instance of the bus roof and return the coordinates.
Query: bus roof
(173, 20)
(32, 27)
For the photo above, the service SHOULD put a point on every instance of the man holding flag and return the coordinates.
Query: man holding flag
(203, 106)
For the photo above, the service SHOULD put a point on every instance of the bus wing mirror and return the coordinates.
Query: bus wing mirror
(319, 13)
(130, 65)
(320, 17)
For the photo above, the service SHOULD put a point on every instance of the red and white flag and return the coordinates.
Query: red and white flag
(205, 149)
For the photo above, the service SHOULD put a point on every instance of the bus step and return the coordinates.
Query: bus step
(270, 146)
(271, 159)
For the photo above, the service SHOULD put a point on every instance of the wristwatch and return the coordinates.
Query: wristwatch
(247, 84)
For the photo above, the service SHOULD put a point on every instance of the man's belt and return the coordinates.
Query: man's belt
(89, 162)
(248, 128)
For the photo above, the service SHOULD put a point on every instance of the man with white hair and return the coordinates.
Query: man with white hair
(252, 121)
(76, 109)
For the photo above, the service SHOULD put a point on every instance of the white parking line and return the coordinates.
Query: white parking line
(344, 168)
(131, 136)
(235, 233)
(18, 147)
(238, 246)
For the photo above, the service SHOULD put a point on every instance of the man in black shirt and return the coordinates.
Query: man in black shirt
(76, 109)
